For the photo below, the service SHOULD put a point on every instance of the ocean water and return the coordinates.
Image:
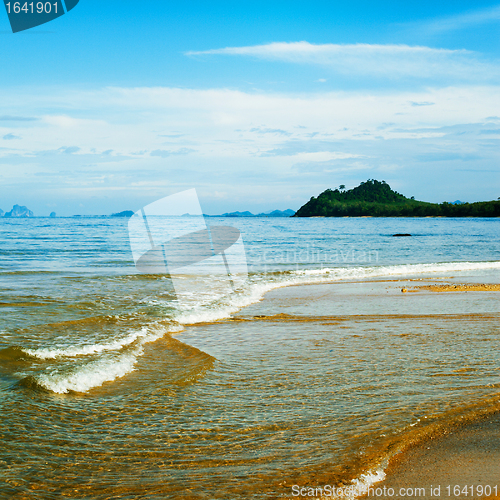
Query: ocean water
(112, 385)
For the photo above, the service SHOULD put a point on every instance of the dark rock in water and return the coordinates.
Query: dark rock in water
(18, 211)
(125, 213)
(52, 214)
(401, 234)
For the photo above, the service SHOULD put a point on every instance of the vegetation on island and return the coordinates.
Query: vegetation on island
(376, 199)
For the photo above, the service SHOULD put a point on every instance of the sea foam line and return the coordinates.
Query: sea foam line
(87, 375)
(95, 373)
(85, 350)
(358, 487)
(400, 269)
(231, 304)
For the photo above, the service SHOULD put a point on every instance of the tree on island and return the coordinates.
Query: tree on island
(376, 199)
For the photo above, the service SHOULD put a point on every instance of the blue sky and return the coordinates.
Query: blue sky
(259, 105)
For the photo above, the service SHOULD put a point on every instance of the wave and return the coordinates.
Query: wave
(401, 269)
(421, 431)
(12, 354)
(118, 357)
(255, 291)
(85, 350)
(87, 376)
(361, 485)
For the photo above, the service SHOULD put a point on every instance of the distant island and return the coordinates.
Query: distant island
(376, 199)
(17, 211)
(125, 213)
(273, 213)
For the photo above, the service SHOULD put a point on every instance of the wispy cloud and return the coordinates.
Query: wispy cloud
(69, 150)
(263, 130)
(424, 103)
(495, 131)
(390, 61)
(10, 137)
(448, 156)
(12, 118)
(229, 141)
(462, 21)
(164, 153)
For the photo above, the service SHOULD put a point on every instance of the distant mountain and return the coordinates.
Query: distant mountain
(279, 213)
(18, 211)
(273, 213)
(376, 199)
(125, 213)
(238, 214)
(458, 202)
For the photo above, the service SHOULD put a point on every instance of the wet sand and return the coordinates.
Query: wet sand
(458, 287)
(466, 457)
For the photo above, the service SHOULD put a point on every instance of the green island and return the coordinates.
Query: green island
(376, 199)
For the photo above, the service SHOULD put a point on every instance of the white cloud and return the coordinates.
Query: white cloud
(461, 21)
(325, 156)
(65, 121)
(295, 144)
(390, 61)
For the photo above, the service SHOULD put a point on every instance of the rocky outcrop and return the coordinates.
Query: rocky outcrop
(18, 211)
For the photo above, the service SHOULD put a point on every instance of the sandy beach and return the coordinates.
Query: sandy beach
(459, 460)
(463, 461)
(458, 287)
(460, 450)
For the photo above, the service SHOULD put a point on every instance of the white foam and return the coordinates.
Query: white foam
(85, 350)
(358, 487)
(89, 375)
(227, 306)
(402, 269)
(256, 290)
(361, 485)
(144, 335)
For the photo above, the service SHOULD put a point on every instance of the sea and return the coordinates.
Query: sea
(313, 369)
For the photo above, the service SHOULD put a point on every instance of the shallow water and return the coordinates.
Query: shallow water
(105, 390)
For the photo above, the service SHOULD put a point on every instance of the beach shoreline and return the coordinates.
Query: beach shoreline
(464, 458)
(462, 451)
